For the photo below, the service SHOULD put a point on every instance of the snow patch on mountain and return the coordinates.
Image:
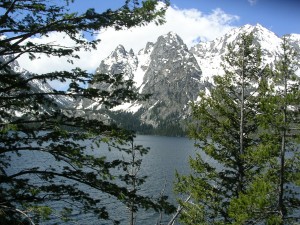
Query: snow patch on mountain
(144, 60)
(174, 74)
(210, 55)
(119, 61)
(128, 107)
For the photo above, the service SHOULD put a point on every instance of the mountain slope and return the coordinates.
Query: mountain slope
(165, 69)
(173, 78)
(209, 54)
(174, 74)
(37, 85)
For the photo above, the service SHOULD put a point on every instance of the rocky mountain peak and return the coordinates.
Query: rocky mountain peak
(171, 38)
(119, 52)
(209, 54)
(267, 39)
(169, 41)
(168, 49)
(147, 49)
(174, 74)
(119, 61)
(269, 42)
(131, 52)
(248, 28)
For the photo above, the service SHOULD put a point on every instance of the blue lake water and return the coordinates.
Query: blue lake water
(166, 155)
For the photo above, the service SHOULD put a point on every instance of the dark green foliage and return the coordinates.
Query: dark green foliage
(129, 121)
(131, 166)
(169, 127)
(225, 128)
(166, 127)
(248, 130)
(274, 196)
(34, 123)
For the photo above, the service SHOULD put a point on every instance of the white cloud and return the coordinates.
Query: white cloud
(252, 2)
(44, 64)
(190, 24)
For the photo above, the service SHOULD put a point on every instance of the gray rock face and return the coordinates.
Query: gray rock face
(165, 69)
(119, 61)
(173, 79)
(174, 74)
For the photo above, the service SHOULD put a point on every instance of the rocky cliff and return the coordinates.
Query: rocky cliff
(174, 74)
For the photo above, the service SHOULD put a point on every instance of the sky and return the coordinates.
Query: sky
(192, 20)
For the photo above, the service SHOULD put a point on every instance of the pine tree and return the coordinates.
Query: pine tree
(130, 177)
(274, 196)
(287, 96)
(33, 122)
(225, 128)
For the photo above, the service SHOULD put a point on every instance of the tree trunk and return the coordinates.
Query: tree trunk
(281, 207)
(242, 106)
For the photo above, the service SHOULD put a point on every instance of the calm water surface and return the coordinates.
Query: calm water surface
(166, 155)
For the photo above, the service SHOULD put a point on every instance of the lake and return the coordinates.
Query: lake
(166, 155)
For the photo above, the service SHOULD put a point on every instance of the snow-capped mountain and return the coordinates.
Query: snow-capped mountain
(37, 85)
(165, 69)
(172, 77)
(209, 54)
(173, 74)
(120, 61)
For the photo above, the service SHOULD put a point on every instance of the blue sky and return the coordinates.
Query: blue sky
(280, 16)
(192, 20)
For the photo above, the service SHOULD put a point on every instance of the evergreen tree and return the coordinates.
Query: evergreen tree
(274, 196)
(287, 94)
(132, 179)
(131, 165)
(225, 128)
(34, 123)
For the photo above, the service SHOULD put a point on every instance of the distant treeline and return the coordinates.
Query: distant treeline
(132, 122)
